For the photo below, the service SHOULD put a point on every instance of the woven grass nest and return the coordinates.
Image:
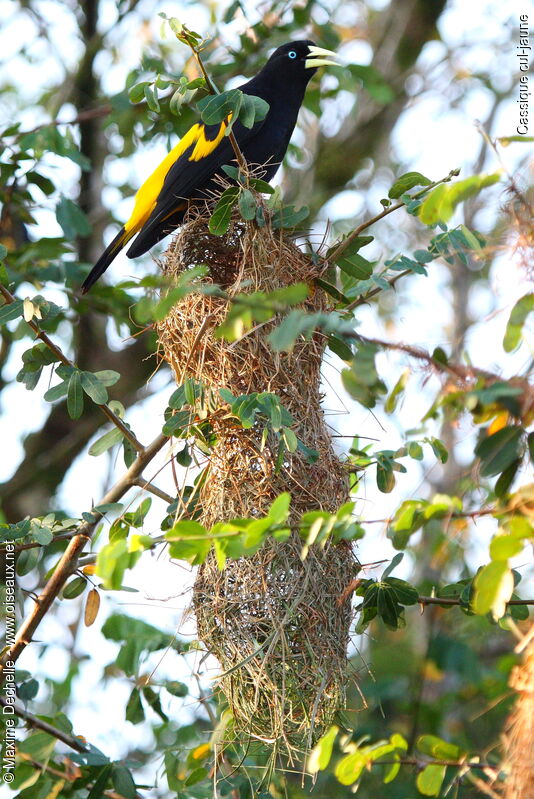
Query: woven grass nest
(274, 604)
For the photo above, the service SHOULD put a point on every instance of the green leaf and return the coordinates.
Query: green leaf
(506, 478)
(190, 541)
(288, 217)
(499, 450)
(183, 457)
(261, 185)
(123, 781)
(393, 565)
(518, 316)
(112, 561)
(94, 388)
(11, 311)
(388, 609)
(247, 204)
(279, 510)
(441, 202)
(27, 560)
(356, 266)
(322, 752)
(289, 438)
(439, 449)
(107, 376)
(137, 92)
(415, 450)
(332, 291)
(405, 593)
(406, 182)
(216, 107)
(253, 109)
(106, 441)
(349, 768)
(151, 97)
(28, 690)
(75, 396)
(222, 214)
(134, 708)
(385, 479)
(438, 748)
(398, 389)
(72, 219)
(503, 547)
(75, 588)
(430, 780)
(176, 424)
(494, 585)
(109, 507)
(176, 688)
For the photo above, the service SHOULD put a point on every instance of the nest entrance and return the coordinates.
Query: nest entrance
(273, 621)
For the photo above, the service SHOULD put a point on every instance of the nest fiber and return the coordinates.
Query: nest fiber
(274, 621)
(519, 738)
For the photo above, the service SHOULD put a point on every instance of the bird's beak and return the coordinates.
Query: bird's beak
(319, 57)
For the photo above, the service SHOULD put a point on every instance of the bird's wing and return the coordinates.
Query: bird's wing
(188, 167)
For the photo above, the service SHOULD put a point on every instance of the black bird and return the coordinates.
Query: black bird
(188, 172)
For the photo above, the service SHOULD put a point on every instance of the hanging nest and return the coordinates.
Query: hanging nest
(274, 621)
(519, 738)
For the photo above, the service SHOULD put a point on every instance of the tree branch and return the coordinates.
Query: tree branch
(74, 742)
(69, 560)
(35, 721)
(342, 246)
(458, 370)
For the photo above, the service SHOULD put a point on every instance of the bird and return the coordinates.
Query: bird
(189, 172)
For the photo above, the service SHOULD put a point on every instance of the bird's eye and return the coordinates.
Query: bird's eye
(292, 54)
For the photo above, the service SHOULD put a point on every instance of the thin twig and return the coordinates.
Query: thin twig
(436, 600)
(64, 775)
(69, 560)
(34, 544)
(342, 246)
(458, 370)
(83, 116)
(366, 297)
(148, 486)
(213, 90)
(9, 298)
(467, 514)
(35, 721)
(420, 763)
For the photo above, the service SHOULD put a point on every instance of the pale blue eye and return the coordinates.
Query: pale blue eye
(292, 54)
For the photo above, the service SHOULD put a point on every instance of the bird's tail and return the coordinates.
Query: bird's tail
(122, 237)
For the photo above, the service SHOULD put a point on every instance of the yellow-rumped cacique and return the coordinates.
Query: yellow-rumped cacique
(189, 171)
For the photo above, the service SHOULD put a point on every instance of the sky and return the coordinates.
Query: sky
(435, 134)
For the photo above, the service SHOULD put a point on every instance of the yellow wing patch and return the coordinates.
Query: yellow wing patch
(204, 146)
(147, 195)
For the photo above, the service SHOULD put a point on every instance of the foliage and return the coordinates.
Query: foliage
(426, 710)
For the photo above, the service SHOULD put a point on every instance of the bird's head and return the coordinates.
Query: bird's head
(299, 60)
